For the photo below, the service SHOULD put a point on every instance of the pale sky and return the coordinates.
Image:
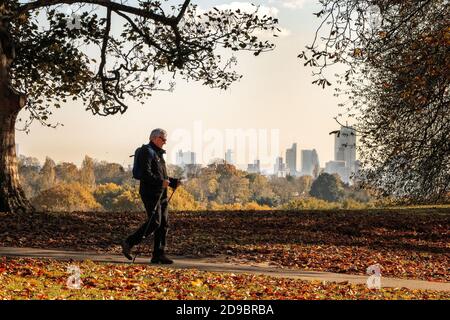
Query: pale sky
(275, 96)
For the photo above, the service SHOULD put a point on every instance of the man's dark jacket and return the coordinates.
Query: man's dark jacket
(154, 172)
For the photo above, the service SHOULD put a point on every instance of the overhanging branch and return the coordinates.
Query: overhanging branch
(110, 5)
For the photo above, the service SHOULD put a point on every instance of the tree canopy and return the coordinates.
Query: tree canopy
(397, 89)
(102, 64)
(327, 187)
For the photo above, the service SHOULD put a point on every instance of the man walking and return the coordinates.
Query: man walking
(153, 186)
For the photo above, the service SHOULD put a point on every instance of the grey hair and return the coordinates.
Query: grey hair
(157, 133)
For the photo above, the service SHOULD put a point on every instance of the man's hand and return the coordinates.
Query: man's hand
(174, 183)
(166, 183)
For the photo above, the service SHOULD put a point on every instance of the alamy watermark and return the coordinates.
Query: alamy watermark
(247, 144)
(374, 17)
(74, 280)
(374, 281)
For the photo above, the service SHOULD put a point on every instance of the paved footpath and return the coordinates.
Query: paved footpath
(214, 265)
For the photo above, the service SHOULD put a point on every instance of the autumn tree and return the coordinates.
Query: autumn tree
(106, 172)
(283, 190)
(48, 174)
(128, 200)
(327, 187)
(219, 182)
(118, 198)
(183, 200)
(175, 171)
(67, 172)
(227, 184)
(44, 59)
(194, 187)
(397, 87)
(87, 175)
(29, 162)
(66, 198)
(192, 170)
(29, 174)
(105, 195)
(260, 190)
(233, 189)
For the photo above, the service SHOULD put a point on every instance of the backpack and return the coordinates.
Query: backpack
(137, 170)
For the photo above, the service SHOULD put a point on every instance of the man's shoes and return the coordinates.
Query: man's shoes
(154, 260)
(126, 250)
(163, 259)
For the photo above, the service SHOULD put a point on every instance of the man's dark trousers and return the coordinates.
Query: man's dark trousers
(158, 223)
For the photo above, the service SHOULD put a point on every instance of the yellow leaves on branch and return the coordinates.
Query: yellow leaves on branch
(183, 200)
(66, 197)
(357, 53)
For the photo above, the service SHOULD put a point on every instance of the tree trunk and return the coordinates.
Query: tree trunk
(12, 197)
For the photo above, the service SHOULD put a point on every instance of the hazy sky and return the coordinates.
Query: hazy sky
(274, 99)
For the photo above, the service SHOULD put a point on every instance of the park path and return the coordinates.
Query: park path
(216, 265)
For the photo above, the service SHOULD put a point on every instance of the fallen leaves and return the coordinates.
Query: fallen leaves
(407, 243)
(197, 283)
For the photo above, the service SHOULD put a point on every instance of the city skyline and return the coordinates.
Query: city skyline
(344, 152)
(344, 162)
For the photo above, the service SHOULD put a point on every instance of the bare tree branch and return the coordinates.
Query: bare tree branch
(107, 4)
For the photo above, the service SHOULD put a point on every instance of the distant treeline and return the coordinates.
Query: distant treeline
(103, 186)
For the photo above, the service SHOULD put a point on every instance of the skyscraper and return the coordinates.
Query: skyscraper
(310, 161)
(255, 167)
(291, 160)
(345, 146)
(338, 167)
(229, 156)
(344, 162)
(185, 158)
(279, 169)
